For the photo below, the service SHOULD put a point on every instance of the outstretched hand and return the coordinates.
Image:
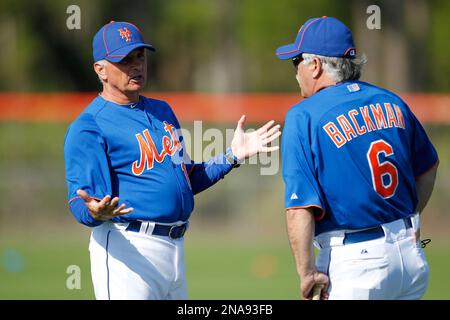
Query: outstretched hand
(104, 209)
(244, 145)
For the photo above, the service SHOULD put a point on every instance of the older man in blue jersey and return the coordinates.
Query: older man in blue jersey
(127, 146)
(358, 170)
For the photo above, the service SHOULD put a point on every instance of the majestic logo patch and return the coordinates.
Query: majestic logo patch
(353, 87)
(294, 196)
(125, 34)
(148, 150)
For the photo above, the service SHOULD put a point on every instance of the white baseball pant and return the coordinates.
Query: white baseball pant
(392, 267)
(136, 265)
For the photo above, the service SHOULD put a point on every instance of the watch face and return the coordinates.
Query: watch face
(231, 159)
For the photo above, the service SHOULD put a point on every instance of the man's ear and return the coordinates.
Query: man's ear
(317, 67)
(100, 69)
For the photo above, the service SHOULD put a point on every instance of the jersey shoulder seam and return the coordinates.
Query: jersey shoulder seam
(167, 106)
(94, 115)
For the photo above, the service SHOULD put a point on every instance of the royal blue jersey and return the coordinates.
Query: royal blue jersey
(352, 152)
(135, 152)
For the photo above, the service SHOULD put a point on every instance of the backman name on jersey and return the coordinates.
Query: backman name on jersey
(369, 118)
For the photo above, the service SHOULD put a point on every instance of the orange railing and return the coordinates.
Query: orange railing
(35, 107)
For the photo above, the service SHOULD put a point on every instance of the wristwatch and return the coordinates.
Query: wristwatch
(231, 158)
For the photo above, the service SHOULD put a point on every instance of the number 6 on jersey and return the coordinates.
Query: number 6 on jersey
(380, 169)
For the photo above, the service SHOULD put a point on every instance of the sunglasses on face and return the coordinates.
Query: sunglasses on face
(297, 60)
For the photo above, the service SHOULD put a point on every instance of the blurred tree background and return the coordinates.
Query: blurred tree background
(218, 46)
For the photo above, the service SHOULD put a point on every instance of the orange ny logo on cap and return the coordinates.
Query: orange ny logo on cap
(125, 34)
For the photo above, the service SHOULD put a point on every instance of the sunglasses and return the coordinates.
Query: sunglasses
(297, 60)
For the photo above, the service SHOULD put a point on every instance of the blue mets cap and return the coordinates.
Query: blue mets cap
(117, 39)
(324, 36)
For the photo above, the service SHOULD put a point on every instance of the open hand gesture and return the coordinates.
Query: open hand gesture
(245, 145)
(104, 209)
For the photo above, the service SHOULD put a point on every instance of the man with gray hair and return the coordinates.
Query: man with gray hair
(358, 170)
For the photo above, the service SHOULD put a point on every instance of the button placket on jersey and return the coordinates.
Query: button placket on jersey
(153, 124)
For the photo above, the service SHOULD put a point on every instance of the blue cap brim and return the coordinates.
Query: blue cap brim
(287, 52)
(118, 55)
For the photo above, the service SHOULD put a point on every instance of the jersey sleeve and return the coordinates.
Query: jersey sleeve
(424, 155)
(205, 174)
(301, 186)
(86, 160)
(201, 175)
(81, 213)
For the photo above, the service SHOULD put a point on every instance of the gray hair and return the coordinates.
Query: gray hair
(339, 69)
(103, 62)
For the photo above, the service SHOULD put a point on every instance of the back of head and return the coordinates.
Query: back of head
(329, 40)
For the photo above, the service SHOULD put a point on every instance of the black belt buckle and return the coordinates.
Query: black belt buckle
(177, 232)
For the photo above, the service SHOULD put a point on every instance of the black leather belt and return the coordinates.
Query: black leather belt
(370, 234)
(173, 232)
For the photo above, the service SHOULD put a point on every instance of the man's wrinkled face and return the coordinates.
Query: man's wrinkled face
(300, 74)
(130, 74)
(304, 73)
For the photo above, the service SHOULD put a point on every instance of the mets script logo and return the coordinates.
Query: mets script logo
(148, 149)
(125, 34)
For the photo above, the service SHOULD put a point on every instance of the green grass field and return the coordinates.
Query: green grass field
(37, 270)
(246, 206)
